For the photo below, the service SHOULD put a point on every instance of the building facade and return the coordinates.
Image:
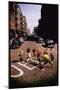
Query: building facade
(24, 24)
(17, 22)
(12, 16)
(48, 24)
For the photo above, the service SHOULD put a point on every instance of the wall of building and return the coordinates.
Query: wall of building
(16, 19)
(48, 24)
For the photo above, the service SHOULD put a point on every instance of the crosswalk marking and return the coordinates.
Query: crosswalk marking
(21, 71)
(18, 69)
(24, 65)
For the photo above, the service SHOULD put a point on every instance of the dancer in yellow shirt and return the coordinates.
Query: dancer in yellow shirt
(46, 58)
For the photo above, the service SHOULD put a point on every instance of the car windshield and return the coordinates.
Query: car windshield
(50, 41)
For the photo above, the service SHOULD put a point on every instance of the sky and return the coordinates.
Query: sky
(32, 13)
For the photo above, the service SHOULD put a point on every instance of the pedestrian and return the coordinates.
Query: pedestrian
(33, 52)
(29, 57)
(34, 57)
(46, 58)
(38, 54)
(20, 54)
(46, 51)
(51, 55)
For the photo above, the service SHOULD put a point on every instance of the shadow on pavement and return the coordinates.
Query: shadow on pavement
(34, 83)
(15, 61)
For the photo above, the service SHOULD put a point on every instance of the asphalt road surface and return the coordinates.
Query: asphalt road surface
(27, 73)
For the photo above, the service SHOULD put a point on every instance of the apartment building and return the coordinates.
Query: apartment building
(17, 22)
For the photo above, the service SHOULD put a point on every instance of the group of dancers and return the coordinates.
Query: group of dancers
(36, 56)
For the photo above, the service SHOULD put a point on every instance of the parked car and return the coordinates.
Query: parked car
(49, 43)
(15, 44)
(30, 38)
(21, 39)
(40, 40)
(36, 36)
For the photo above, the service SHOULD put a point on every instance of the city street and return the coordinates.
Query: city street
(24, 72)
(33, 45)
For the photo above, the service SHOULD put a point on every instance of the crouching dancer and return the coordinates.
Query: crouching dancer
(20, 55)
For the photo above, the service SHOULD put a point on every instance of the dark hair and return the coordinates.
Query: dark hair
(28, 50)
(45, 52)
(33, 50)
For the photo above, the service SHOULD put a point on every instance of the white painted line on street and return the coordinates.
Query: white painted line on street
(26, 66)
(18, 69)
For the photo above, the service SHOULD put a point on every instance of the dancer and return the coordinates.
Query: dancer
(46, 58)
(29, 55)
(20, 54)
(51, 55)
